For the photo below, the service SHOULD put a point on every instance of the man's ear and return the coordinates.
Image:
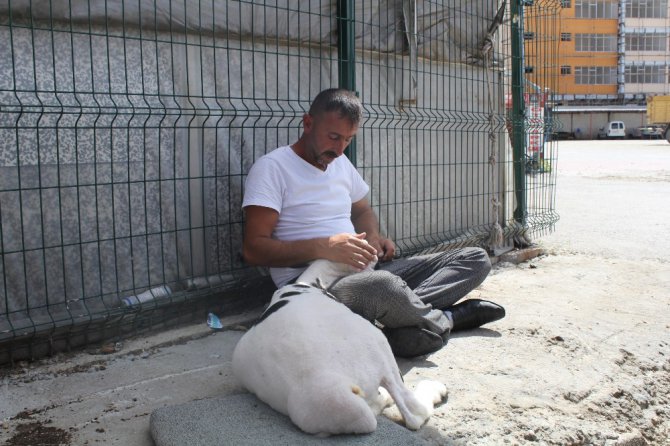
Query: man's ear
(307, 122)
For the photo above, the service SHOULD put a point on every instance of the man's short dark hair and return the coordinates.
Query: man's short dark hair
(345, 102)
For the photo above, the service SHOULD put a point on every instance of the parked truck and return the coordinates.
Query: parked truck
(658, 113)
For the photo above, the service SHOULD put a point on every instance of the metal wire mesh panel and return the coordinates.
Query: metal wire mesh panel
(127, 129)
(435, 135)
(539, 64)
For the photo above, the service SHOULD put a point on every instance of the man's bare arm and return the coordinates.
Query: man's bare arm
(259, 248)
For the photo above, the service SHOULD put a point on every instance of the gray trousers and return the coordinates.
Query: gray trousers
(414, 291)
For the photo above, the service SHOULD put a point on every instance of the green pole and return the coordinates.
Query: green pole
(518, 112)
(346, 56)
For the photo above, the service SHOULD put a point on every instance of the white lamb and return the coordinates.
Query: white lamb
(323, 365)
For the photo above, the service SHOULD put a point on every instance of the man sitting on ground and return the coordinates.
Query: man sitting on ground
(307, 201)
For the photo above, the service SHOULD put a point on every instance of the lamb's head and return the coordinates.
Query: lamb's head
(324, 273)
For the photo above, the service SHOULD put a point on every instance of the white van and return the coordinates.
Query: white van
(613, 129)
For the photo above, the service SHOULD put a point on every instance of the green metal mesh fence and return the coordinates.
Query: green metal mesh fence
(127, 128)
(541, 36)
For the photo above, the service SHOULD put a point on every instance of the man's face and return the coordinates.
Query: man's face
(326, 137)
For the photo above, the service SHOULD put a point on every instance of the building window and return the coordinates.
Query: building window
(645, 74)
(595, 43)
(528, 69)
(566, 3)
(646, 42)
(597, 9)
(566, 37)
(566, 69)
(528, 35)
(595, 75)
(647, 9)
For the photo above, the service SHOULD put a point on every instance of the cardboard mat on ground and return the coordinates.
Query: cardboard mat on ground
(244, 420)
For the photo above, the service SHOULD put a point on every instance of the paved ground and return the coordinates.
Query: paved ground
(582, 358)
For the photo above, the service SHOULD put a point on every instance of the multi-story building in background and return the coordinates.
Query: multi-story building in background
(611, 55)
(646, 56)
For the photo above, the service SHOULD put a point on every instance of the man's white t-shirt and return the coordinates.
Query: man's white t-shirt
(311, 203)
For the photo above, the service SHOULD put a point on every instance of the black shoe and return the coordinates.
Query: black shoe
(474, 313)
(407, 342)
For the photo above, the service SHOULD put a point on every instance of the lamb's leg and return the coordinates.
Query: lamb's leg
(415, 409)
(430, 393)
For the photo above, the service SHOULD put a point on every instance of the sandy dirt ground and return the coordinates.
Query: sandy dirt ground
(582, 358)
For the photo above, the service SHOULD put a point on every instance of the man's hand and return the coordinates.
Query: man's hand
(351, 249)
(365, 221)
(384, 246)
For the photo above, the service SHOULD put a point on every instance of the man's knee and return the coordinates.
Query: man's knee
(473, 258)
(480, 257)
(381, 287)
(384, 280)
(369, 293)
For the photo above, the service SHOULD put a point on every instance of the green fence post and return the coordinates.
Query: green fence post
(346, 56)
(518, 111)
